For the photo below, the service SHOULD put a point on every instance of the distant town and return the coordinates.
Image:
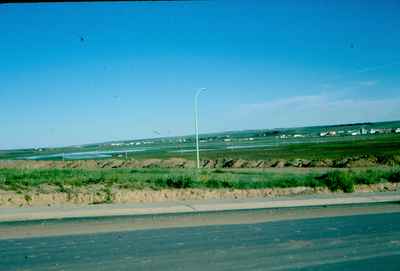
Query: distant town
(218, 143)
(362, 131)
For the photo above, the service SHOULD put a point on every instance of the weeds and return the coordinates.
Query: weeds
(68, 179)
(338, 180)
(28, 198)
(394, 177)
(108, 197)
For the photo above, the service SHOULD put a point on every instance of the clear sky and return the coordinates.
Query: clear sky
(83, 73)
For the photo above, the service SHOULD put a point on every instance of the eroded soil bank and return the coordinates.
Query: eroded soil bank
(349, 162)
(49, 196)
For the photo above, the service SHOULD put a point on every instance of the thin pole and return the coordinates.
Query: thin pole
(196, 121)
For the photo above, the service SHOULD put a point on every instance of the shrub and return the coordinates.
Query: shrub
(93, 180)
(179, 182)
(312, 182)
(109, 196)
(28, 198)
(367, 177)
(214, 183)
(284, 182)
(338, 180)
(394, 177)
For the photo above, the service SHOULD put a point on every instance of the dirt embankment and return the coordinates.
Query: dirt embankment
(49, 195)
(349, 162)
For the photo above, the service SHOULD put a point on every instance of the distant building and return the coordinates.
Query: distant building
(363, 131)
(379, 131)
(397, 130)
(283, 136)
(116, 144)
(329, 133)
(227, 140)
(297, 135)
(355, 133)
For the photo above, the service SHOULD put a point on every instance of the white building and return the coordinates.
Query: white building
(364, 131)
(116, 144)
(332, 133)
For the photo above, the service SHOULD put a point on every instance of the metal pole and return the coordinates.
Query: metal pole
(196, 121)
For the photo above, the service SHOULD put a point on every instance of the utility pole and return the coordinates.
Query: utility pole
(196, 122)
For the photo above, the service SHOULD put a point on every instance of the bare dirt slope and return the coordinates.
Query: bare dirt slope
(47, 196)
(350, 162)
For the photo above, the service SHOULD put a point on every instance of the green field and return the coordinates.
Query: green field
(249, 145)
(331, 148)
(22, 180)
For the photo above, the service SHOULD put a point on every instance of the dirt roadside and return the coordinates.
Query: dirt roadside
(49, 196)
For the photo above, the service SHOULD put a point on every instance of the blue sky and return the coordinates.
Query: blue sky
(264, 64)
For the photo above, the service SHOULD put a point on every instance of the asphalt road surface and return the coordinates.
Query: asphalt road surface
(359, 242)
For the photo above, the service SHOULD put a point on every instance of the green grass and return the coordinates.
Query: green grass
(332, 148)
(66, 179)
(381, 146)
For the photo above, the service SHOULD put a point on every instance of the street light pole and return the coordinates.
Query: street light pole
(196, 122)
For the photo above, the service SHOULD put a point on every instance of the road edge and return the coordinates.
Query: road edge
(110, 210)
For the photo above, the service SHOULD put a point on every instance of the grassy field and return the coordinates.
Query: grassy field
(260, 149)
(264, 144)
(330, 149)
(155, 179)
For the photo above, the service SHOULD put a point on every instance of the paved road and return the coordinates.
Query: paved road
(362, 242)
